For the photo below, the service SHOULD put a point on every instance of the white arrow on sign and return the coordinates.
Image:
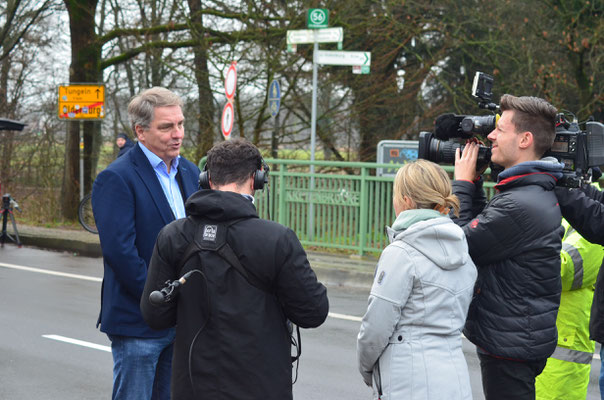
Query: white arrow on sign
(333, 57)
(327, 35)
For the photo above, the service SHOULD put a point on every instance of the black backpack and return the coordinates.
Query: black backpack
(211, 236)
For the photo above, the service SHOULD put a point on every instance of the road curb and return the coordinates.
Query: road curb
(332, 269)
(344, 278)
(61, 244)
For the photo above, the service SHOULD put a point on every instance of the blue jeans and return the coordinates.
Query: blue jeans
(602, 372)
(141, 367)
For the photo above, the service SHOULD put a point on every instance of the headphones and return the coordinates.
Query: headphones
(260, 177)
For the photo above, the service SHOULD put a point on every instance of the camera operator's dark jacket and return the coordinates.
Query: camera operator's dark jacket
(237, 334)
(584, 210)
(515, 242)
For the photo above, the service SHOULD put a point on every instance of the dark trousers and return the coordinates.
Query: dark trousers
(506, 379)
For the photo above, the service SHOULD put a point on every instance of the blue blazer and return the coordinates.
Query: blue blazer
(130, 209)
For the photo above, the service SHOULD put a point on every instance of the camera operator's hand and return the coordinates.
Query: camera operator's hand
(465, 163)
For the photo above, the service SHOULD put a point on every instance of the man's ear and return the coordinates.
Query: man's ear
(250, 183)
(526, 140)
(140, 133)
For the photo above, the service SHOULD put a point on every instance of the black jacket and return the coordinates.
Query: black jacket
(515, 242)
(584, 210)
(236, 332)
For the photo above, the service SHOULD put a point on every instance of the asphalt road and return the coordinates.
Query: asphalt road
(50, 349)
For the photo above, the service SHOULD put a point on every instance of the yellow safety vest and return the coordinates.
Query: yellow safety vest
(566, 374)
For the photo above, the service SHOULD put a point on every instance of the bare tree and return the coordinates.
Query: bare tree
(19, 36)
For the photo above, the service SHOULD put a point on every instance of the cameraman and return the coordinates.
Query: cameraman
(584, 210)
(232, 339)
(515, 242)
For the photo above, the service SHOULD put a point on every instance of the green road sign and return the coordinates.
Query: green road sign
(327, 35)
(317, 18)
(332, 57)
(361, 69)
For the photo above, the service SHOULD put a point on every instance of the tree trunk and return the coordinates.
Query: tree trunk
(84, 68)
(6, 137)
(205, 117)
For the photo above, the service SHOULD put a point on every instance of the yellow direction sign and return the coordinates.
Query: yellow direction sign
(81, 102)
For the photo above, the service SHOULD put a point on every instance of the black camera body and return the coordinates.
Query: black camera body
(6, 200)
(451, 130)
(579, 150)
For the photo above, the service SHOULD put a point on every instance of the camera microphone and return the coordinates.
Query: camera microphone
(447, 126)
(167, 293)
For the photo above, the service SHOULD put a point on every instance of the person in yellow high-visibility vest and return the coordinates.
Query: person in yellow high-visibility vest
(566, 374)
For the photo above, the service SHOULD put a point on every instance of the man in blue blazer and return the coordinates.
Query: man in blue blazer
(133, 199)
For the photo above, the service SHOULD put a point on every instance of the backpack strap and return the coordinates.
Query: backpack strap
(211, 236)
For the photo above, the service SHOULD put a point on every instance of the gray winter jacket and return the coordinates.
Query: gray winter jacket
(409, 345)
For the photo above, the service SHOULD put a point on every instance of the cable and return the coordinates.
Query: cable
(205, 323)
(298, 345)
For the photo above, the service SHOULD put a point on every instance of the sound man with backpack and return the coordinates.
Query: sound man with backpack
(245, 277)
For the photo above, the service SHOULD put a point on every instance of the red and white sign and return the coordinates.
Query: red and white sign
(230, 82)
(226, 122)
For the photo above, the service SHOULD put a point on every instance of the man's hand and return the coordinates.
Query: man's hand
(465, 164)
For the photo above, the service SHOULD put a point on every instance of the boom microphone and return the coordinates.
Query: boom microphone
(168, 292)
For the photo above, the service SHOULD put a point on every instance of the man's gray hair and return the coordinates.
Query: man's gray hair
(142, 106)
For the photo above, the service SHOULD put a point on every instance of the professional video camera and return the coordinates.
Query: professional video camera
(436, 146)
(579, 150)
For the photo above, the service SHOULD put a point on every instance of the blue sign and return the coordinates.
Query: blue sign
(395, 152)
(274, 97)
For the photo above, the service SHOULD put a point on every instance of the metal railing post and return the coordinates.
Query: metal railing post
(363, 211)
(282, 215)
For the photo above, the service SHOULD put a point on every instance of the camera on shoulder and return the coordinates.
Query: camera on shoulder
(578, 149)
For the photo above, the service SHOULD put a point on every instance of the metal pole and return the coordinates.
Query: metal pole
(81, 147)
(313, 143)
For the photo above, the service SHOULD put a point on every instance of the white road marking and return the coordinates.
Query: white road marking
(78, 342)
(95, 279)
(49, 272)
(344, 316)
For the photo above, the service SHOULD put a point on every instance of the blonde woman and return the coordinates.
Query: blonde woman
(409, 345)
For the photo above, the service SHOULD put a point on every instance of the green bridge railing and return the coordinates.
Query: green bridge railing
(343, 205)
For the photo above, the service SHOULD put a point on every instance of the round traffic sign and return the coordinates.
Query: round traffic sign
(226, 122)
(230, 82)
(318, 16)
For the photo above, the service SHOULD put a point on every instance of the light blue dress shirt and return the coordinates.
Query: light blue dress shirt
(167, 180)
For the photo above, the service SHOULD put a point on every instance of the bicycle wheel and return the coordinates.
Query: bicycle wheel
(85, 215)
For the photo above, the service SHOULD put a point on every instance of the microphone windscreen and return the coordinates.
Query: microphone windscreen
(157, 298)
(447, 126)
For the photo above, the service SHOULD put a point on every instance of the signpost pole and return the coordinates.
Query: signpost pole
(318, 21)
(275, 137)
(313, 142)
(81, 147)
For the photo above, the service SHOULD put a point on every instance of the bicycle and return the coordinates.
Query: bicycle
(85, 215)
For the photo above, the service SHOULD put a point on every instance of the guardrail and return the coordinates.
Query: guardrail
(343, 205)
